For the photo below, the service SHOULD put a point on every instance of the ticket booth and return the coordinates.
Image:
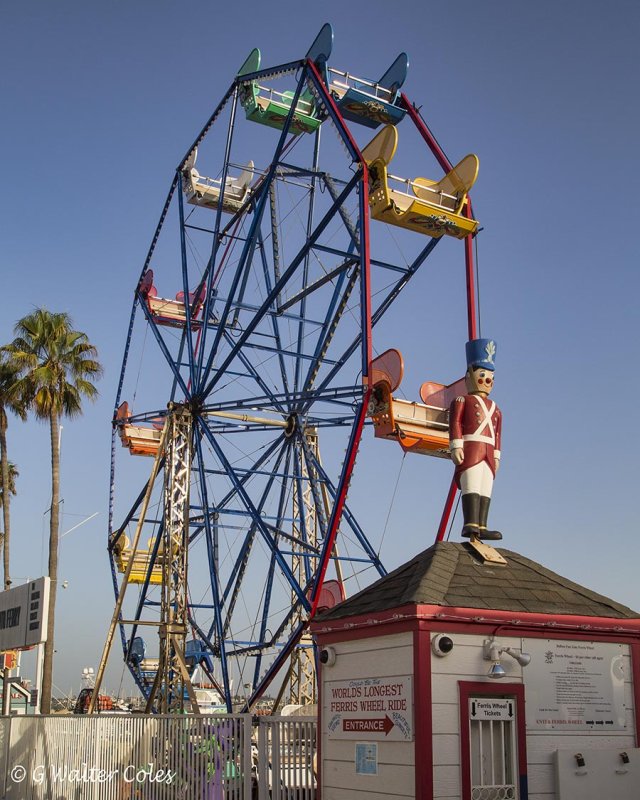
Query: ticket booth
(454, 678)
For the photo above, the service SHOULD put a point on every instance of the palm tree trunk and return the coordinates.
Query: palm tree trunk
(47, 678)
(6, 493)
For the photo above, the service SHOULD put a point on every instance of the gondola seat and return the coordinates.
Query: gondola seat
(417, 427)
(435, 208)
(141, 440)
(171, 313)
(370, 103)
(141, 559)
(202, 191)
(270, 107)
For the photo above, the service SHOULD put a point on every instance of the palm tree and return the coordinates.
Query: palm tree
(13, 474)
(9, 401)
(56, 366)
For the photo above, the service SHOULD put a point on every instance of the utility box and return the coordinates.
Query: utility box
(453, 678)
(609, 773)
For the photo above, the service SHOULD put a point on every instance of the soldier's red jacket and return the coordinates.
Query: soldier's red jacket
(475, 423)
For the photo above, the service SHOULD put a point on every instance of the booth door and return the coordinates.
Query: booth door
(491, 757)
(493, 748)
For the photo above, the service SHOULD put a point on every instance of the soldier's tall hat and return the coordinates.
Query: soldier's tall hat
(481, 353)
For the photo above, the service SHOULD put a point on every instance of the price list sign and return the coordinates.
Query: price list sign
(575, 686)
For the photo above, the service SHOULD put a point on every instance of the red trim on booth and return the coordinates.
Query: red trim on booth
(319, 769)
(422, 715)
(515, 690)
(585, 626)
(354, 634)
(635, 678)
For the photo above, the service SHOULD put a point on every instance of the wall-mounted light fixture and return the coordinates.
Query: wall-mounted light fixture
(492, 652)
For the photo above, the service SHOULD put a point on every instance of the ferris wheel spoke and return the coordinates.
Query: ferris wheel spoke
(255, 374)
(305, 267)
(251, 470)
(348, 516)
(334, 314)
(130, 516)
(377, 315)
(275, 667)
(217, 241)
(320, 507)
(267, 304)
(346, 219)
(213, 573)
(250, 244)
(250, 507)
(239, 568)
(337, 394)
(187, 330)
(163, 347)
(275, 324)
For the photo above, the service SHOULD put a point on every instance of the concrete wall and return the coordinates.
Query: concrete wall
(384, 656)
(466, 663)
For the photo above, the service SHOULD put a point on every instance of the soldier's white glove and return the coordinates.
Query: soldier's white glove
(457, 456)
(497, 463)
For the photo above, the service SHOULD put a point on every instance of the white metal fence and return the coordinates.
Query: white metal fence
(142, 757)
(286, 758)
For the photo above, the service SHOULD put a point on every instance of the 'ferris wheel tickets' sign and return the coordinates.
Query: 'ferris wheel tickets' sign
(373, 708)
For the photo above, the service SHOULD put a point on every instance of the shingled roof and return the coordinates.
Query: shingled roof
(451, 574)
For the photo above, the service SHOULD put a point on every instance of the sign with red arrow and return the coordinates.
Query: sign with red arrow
(383, 725)
(376, 708)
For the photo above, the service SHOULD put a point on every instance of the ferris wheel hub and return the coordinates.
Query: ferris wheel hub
(292, 425)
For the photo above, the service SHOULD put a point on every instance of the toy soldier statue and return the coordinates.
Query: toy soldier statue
(475, 424)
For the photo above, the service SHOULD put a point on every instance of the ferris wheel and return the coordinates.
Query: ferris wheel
(249, 374)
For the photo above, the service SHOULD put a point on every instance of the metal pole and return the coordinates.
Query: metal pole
(6, 692)
(125, 581)
(39, 671)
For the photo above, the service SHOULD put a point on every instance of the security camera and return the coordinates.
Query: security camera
(328, 656)
(441, 645)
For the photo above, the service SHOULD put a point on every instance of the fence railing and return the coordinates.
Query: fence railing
(286, 758)
(156, 757)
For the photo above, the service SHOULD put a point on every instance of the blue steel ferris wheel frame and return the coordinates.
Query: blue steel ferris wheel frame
(295, 402)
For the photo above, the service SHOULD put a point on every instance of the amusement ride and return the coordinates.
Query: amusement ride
(248, 377)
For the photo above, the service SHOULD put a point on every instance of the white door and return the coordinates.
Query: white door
(493, 757)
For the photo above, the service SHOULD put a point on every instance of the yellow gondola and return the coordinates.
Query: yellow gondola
(141, 560)
(435, 208)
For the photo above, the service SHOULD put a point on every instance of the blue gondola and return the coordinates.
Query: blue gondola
(367, 102)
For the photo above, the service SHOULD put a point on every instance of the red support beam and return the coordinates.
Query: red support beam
(472, 317)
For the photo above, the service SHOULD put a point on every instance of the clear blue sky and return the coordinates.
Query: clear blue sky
(100, 101)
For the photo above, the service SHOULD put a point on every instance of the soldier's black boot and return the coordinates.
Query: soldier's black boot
(471, 515)
(488, 535)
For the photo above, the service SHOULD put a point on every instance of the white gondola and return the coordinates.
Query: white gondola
(202, 191)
